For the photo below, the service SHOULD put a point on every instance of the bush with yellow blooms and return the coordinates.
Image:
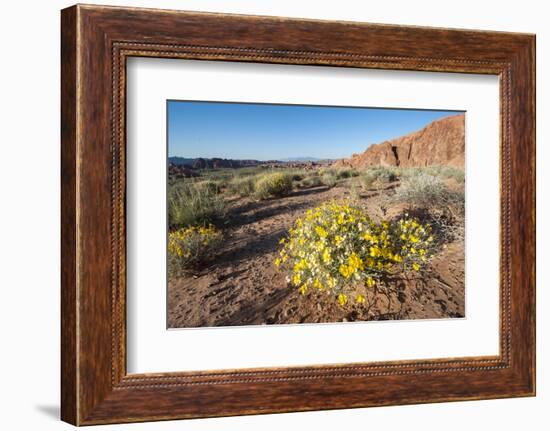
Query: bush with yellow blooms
(339, 249)
(191, 246)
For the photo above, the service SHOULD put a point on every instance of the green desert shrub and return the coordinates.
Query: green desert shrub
(344, 173)
(296, 175)
(311, 181)
(328, 178)
(455, 173)
(242, 186)
(273, 185)
(379, 176)
(190, 204)
(386, 175)
(368, 179)
(444, 172)
(430, 192)
(354, 192)
(209, 186)
(248, 171)
(408, 172)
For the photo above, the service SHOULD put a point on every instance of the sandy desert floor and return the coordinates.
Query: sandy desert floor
(243, 286)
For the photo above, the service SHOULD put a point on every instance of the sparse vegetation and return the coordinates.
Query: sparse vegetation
(433, 200)
(430, 192)
(311, 181)
(373, 177)
(190, 247)
(329, 179)
(456, 174)
(386, 175)
(208, 186)
(368, 179)
(242, 186)
(442, 172)
(190, 204)
(344, 173)
(393, 221)
(275, 184)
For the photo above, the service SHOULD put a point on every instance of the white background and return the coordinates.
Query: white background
(151, 348)
(29, 220)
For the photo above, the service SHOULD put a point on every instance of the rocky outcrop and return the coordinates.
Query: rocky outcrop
(213, 163)
(181, 171)
(439, 143)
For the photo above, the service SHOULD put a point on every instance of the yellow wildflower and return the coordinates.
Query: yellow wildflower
(326, 256)
(321, 231)
(355, 262)
(342, 299)
(346, 271)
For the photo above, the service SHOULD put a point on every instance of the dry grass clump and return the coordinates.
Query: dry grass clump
(429, 197)
(273, 185)
(443, 172)
(209, 186)
(446, 172)
(192, 204)
(242, 186)
(311, 181)
(344, 173)
(329, 179)
(428, 191)
(379, 176)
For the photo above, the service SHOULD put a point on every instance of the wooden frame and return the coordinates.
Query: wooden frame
(96, 41)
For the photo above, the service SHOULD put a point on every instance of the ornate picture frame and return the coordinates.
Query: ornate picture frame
(96, 41)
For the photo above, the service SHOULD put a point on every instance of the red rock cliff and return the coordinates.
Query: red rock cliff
(439, 143)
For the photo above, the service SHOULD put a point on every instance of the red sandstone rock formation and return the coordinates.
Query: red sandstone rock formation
(439, 143)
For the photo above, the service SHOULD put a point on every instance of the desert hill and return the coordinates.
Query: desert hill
(439, 143)
(213, 163)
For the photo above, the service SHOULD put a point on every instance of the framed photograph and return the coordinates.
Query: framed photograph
(265, 215)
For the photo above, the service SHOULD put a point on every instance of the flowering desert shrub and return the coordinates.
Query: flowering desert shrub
(273, 185)
(190, 247)
(337, 248)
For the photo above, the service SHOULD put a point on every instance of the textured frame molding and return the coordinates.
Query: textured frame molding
(96, 41)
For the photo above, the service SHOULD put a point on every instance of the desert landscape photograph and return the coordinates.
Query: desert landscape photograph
(299, 214)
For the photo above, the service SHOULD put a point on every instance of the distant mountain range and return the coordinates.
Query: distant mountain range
(302, 159)
(180, 161)
(214, 163)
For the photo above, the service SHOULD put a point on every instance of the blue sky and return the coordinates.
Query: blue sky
(268, 132)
